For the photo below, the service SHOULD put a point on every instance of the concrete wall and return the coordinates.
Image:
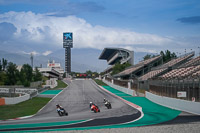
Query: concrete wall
(28, 93)
(125, 90)
(15, 100)
(178, 104)
(18, 90)
(51, 83)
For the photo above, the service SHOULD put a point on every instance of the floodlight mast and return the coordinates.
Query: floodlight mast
(31, 59)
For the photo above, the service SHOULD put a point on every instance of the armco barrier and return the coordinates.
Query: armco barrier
(125, 90)
(178, 104)
(15, 100)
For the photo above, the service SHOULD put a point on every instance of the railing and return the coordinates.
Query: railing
(129, 84)
(182, 89)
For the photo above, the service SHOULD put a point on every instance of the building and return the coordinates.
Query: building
(115, 55)
(53, 70)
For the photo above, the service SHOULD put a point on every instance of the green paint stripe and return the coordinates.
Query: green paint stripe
(50, 92)
(40, 124)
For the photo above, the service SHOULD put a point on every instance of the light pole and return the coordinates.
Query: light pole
(31, 60)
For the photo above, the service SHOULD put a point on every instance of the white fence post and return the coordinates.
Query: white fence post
(129, 85)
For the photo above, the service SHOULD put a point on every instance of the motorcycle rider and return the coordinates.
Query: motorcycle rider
(91, 103)
(59, 106)
(107, 103)
(61, 109)
(105, 100)
(92, 107)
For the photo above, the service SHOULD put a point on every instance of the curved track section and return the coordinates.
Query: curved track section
(75, 99)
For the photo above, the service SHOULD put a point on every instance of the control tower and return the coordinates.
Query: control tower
(68, 44)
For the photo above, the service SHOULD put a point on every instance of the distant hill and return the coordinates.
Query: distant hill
(82, 59)
(77, 65)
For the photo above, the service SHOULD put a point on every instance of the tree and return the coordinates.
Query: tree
(3, 77)
(146, 57)
(89, 72)
(27, 69)
(4, 64)
(37, 75)
(0, 66)
(11, 72)
(119, 67)
(26, 75)
(64, 75)
(167, 56)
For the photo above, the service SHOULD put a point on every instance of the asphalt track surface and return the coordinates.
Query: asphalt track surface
(75, 99)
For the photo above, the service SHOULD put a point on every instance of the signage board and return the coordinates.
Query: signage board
(53, 65)
(181, 94)
(68, 40)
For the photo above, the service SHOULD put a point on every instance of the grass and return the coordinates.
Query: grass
(25, 108)
(99, 82)
(60, 85)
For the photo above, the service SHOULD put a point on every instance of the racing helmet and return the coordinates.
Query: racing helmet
(90, 102)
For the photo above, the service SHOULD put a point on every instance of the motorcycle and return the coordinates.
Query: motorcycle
(108, 105)
(61, 112)
(95, 108)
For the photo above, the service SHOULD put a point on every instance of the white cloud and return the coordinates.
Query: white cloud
(33, 52)
(45, 29)
(47, 53)
(145, 50)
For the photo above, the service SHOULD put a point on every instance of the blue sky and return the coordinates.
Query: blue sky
(142, 26)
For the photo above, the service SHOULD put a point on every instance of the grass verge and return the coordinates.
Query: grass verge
(25, 108)
(60, 85)
(99, 82)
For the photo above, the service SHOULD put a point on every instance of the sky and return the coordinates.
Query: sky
(139, 25)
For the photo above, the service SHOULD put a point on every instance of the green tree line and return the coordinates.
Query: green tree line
(167, 56)
(119, 68)
(10, 75)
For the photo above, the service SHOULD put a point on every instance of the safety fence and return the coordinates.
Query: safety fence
(129, 84)
(186, 89)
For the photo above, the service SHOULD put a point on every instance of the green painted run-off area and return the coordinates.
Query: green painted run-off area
(51, 92)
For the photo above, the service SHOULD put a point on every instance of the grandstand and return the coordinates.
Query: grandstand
(192, 62)
(115, 55)
(182, 73)
(108, 70)
(139, 69)
(179, 75)
(174, 63)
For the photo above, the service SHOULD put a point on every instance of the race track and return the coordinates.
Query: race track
(75, 99)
